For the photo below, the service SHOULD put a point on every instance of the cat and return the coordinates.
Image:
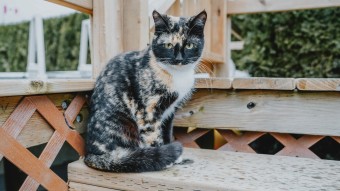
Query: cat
(133, 103)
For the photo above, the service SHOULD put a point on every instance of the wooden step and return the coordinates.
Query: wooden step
(217, 170)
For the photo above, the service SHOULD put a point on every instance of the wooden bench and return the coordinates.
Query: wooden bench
(217, 170)
(280, 107)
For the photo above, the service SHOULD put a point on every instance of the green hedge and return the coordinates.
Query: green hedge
(291, 44)
(62, 40)
(13, 47)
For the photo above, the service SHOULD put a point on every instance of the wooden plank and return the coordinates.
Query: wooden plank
(135, 25)
(216, 170)
(258, 6)
(107, 33)
(30, 87)
(318, 84)
(264, 83)
(84, 6)
(18, 119)
(314, 113)
(15, 153)
(74, 108)
(213, 83)
(48, 155)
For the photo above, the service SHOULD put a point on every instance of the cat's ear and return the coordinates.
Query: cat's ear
(196, 23)
(160, 22)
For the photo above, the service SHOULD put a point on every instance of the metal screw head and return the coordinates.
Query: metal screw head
(251, 105)
(79, 118)
(65, 104)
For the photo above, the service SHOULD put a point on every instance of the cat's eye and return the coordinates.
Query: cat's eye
(168, 45)
(189, 46)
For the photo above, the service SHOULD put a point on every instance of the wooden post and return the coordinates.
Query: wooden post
(218, 38)
(135, 25)
(107, 32)
(175, 9)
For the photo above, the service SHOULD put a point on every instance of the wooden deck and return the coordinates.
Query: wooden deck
(213, 170)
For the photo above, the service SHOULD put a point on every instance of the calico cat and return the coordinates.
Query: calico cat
(136, 95)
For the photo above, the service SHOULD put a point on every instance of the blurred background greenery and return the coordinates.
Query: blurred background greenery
(62, 42)
(290, 44)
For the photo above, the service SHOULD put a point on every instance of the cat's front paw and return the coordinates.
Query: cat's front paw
(179, 160)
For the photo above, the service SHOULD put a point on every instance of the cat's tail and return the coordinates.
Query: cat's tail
(139, 160)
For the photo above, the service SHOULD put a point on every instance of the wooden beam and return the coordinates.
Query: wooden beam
(318, 84)
(135, 25)
(107, 32)
(264, 83)
(84, 6)
(314, 113)
(258, 6)
(220, 33)
(30, 87)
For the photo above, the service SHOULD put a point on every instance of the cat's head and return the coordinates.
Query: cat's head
(177, 40)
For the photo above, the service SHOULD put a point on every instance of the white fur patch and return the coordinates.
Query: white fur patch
(183, 80)
(101, 147)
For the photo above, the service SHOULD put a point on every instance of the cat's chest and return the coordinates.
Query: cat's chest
(181, 84)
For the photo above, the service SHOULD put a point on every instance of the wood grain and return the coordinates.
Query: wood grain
(313, 113)
(258, 6)
(264, 83)
(107, 33)
(18, 119)
(135, 25)
(219, 29)
(31, 87)
(318, 84)
(84, 6)
(213, 83)
(216, 170)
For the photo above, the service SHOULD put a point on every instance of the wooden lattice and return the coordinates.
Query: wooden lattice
(38, 169)
(240, 142)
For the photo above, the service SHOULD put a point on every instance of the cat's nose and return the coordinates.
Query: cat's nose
(179, 58)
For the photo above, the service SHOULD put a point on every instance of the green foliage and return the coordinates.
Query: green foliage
(291, 44)
(62, 40)
(13, 47)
